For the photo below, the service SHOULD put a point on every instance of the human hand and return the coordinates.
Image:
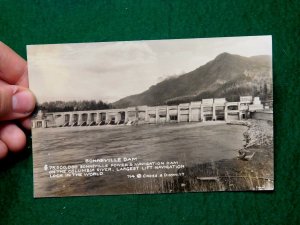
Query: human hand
(16, 101)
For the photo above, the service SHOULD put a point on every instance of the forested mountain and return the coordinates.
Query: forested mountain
(227, 75)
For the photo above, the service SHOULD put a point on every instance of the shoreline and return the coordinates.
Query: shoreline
(236, 174)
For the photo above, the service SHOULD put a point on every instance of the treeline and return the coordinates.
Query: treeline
(231, 93)
(66, 106)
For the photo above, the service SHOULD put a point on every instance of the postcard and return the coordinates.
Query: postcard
(159, 116)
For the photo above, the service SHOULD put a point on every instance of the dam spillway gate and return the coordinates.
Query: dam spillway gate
(198, 111)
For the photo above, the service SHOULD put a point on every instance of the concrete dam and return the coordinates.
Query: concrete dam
(199, 111)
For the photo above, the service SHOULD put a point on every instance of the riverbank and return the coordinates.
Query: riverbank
(238, 174)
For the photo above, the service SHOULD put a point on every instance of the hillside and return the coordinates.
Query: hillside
(225, 76)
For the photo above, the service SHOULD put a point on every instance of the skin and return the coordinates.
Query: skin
(16, 101)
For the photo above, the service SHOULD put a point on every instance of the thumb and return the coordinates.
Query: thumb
(15, 102)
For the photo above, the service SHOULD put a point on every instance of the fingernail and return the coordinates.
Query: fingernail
(22, 102)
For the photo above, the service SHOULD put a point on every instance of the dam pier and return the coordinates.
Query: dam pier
(198, 111)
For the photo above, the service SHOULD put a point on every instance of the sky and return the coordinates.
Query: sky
(109, 71)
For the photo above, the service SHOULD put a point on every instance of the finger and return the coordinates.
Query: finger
(26, 123)
(12, 66)
(15, 102)
(3, 149)
(23, 81)
(13, 137)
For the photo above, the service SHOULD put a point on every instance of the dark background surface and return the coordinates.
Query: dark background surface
(40, 22)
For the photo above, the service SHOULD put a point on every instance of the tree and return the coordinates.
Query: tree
(62, 106)
(265, 91)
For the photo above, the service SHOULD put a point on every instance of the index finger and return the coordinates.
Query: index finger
(13, 68)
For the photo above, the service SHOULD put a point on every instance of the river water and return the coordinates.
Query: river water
(186, 143)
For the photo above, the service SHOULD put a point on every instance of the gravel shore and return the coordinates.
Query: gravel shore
(236, 174)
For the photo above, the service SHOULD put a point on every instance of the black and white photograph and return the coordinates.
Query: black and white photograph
(150, 117)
